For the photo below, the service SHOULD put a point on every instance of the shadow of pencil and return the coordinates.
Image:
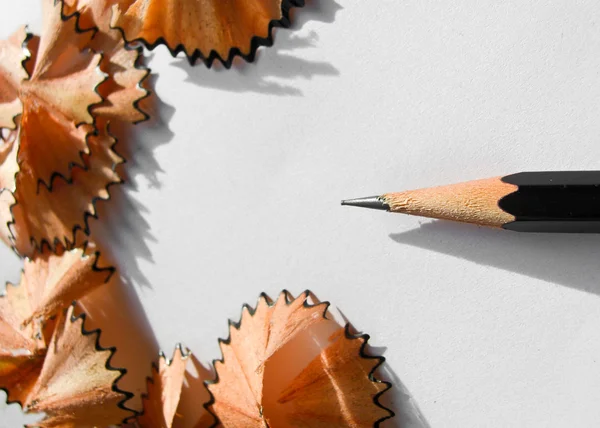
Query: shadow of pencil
(266, 76)
(565, 259)
(123, 229)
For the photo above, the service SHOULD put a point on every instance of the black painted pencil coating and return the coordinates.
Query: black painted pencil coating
(554, 202)
(554, 178)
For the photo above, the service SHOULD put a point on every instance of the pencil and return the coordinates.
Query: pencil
(550, 202)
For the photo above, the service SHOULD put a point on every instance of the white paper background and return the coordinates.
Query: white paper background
(239, 193)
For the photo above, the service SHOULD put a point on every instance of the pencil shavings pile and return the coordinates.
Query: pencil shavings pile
(67, 97)
(285, 364)
(48, 362)
(57, 98)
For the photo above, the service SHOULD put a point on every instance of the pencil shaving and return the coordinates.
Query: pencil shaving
(60, 150)
(55, 215)
(49, 283)
(53, 281)
(58, 97)
(287, 364)
(123, 88)
(56, 87)
(261, 332)
(164, 391)
(206, 29)
(76, 386)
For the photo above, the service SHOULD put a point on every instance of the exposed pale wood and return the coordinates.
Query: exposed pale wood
(470, 202)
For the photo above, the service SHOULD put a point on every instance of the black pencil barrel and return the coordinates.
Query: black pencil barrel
(554, 202)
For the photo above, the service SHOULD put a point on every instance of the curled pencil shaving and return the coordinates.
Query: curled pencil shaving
(54, 280)
(256, 385)
(238, 393)
(58, 97)
(206, 29)
(66, 86)
(63, 154)
(54, 215)
(54, 95)
(123, 88)
(49, 283)
(164, 391)
(77, 385)
(259, 334)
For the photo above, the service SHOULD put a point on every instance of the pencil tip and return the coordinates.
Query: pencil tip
(372, 202)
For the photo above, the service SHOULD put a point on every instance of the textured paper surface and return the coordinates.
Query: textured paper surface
(483, 328)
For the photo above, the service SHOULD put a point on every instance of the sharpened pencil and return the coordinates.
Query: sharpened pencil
(550, 202)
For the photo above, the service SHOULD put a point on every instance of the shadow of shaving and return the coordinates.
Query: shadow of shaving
(314, 10)
(143, 139)
(116, 310)
(123, 229)
(121, 225)
(398, 398)
(273, 64)
(566, 259)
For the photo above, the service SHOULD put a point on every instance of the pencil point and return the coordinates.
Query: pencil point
(372, 202)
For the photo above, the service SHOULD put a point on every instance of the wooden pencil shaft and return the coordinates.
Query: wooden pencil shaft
(471, 202)
(565, 201)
